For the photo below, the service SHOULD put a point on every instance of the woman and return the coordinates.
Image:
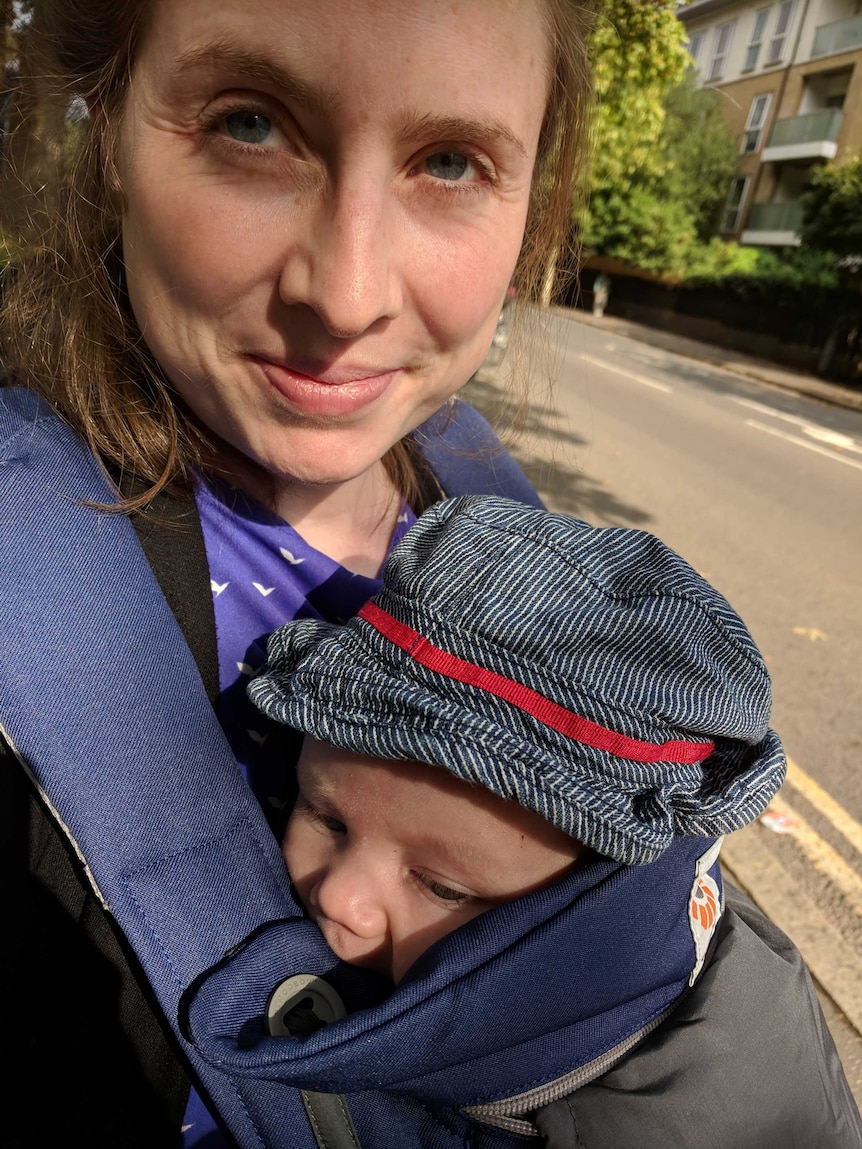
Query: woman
(284, 245)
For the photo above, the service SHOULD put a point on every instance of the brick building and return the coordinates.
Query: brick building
(790, 73)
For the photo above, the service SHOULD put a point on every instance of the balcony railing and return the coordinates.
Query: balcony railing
(842, 36)
(810, 129)
(775, 217)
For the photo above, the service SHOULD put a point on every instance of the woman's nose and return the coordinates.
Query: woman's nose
(345, 265)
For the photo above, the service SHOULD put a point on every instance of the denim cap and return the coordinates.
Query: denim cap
(589, 674)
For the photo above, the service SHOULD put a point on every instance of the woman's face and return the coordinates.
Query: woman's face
(325, 203)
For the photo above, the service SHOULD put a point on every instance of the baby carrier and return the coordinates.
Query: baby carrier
(102, 702)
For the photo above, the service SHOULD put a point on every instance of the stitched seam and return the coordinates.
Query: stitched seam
(257, 1132)
(579, 1144)
(345, 1112)
(312, 1117)
(231, 829)
(23, 432)
(126, 882)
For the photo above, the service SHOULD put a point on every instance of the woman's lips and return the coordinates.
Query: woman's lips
(336, 391)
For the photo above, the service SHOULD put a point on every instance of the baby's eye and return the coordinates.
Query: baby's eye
(332, 824)
(326, 821)
(454, 167)
(444, 893)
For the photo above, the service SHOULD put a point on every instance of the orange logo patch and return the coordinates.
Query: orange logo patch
(704, 904)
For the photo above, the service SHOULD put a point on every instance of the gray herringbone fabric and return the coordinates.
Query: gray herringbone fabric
(608, 623)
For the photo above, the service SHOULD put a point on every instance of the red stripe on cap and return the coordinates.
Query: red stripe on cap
(543, 709)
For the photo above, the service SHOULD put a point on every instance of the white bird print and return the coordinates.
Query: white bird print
(257, 737)
(217, 588)
(244, 668)
(291, 558)
(264, 590)
(403, 518)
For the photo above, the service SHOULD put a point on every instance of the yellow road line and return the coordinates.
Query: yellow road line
(825, 804)
(821, 855)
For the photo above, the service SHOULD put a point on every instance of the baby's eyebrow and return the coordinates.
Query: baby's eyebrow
(224, 54)
(458, 852)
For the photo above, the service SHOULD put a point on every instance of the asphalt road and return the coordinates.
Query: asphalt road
(761, 490)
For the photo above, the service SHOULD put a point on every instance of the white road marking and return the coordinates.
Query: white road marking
(803, 443)
(821, 434)
(833, 438)
(755, 406)
(628, 374)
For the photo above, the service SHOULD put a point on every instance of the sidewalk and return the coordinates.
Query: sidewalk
(775, 373)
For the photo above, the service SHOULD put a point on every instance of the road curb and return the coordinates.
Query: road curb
(831, 960)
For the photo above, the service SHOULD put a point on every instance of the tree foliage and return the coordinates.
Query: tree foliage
(700, 153)
(663, 156)
(761, 274)
(638, 54)
(832, 227)
(832, 210)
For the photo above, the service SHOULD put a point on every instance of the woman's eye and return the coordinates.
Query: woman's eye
(249, 127)
(451, 166)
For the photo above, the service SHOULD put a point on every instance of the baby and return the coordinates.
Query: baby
(525, 689)
(387, 857)
(520, 759)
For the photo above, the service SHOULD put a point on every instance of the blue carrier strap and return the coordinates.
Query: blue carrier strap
(467, 458)
(102, 702)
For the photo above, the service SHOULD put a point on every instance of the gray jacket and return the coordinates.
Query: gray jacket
(744, 1062)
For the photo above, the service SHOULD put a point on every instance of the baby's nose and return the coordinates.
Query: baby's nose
(349, 897)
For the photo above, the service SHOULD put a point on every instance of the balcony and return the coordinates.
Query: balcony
(842, 36)
(773, 224)
(811, 137)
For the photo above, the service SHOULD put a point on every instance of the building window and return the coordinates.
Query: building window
(694, 45)
(755, 123)
(721, 46)
(735, 203)
(779, 36)
(756, 41)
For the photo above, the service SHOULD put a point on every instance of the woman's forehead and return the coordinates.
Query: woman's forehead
(411, 49)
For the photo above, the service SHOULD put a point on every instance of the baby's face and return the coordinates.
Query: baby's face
(389, 857)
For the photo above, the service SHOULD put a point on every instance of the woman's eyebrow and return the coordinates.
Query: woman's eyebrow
(481, 130)
(225, 55)
(228, 56)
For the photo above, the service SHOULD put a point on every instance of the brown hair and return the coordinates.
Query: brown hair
(66, 329)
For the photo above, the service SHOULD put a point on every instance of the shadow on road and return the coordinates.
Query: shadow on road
(540, 442)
